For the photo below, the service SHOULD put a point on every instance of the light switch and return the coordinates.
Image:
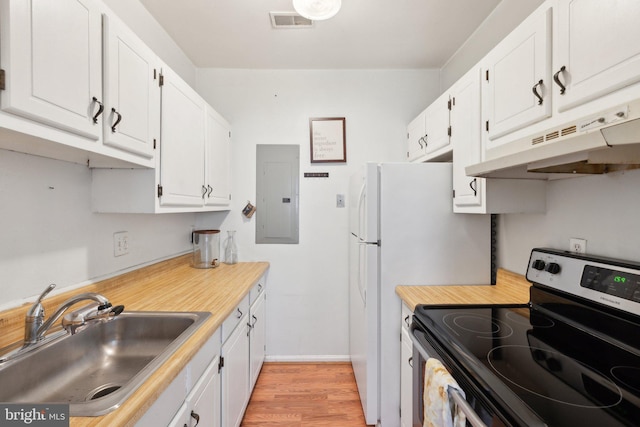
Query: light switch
(339, 200)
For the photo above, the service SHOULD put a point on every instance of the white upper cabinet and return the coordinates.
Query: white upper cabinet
(52, 56)
(466, 140)
(218, 159)
(416, 138)
(131, 91)
(517, 77)
(428, 134)
(182, 145)
(597, 50)
(437, 115)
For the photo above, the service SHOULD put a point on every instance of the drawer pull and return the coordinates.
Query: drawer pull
(100, 109)
(196, 417)
(406, 319)
(239, 315)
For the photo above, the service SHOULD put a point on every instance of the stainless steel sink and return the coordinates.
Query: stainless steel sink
(98, 368)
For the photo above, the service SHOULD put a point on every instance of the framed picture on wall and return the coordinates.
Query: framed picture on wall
(328, 140)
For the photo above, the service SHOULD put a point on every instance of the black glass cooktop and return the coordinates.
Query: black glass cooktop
(566, 374)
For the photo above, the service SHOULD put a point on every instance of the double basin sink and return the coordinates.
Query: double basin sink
(98, 368)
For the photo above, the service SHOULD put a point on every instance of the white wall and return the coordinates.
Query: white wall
(602, 209)
(48, 233)
(307, 310)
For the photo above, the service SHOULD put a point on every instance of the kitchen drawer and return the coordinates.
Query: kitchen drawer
(406, 316)
(257, 290)
(203, 358)
(234, 318)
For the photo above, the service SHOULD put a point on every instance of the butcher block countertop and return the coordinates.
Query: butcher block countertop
(166, 286)
(510, 288)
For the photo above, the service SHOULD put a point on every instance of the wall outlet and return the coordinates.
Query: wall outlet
(339, 200)
(120, 243)
(578, 246)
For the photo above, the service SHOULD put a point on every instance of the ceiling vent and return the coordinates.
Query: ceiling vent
(289, 20)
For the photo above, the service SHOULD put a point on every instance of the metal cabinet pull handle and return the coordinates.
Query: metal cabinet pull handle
(210, 189)
(204, 191)
(556, 78)
(259, 287)
(196, 417)
(100, 109)
(255, 320)
(535, 91)
(420, 142)
(473, 185)
(113, 128)
(406, 319)
(239, 313)
(410, 361)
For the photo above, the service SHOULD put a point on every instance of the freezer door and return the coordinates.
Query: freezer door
(363, 203)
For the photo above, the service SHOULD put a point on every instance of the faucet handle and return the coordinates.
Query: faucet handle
(37, 309)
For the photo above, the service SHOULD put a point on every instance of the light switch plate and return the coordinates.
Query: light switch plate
(339, 200)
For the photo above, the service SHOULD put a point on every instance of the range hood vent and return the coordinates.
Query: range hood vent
(289, 20)
(606, 142)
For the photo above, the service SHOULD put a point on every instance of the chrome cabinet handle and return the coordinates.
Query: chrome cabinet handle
(535, 91)
(556, 78)
(196, 417)
(100, 109)
(113, 128)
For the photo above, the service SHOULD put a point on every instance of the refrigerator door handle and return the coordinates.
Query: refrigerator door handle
(362, 265)
(362, 228)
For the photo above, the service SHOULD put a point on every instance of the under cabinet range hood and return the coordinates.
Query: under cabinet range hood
(605, 142)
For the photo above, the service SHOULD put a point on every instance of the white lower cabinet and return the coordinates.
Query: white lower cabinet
(243, 352)
(202, 405)
(257, 338)
(406, 371)
(235, 374)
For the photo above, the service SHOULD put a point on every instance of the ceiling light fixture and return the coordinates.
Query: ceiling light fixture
(317, 10)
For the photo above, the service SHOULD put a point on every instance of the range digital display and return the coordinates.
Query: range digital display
(611, 282)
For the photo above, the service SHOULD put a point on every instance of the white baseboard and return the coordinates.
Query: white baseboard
(308, 358)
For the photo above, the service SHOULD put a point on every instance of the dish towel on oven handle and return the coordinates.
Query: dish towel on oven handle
(439, 409)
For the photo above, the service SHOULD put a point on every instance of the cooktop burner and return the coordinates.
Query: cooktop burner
(566, 375)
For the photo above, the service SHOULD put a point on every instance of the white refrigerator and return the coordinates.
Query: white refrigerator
(402, 231)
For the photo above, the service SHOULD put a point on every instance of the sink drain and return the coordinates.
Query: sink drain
(102, 391)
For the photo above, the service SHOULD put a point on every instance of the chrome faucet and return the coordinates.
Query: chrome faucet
(35, 327)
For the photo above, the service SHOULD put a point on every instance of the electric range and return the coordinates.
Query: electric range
(570, 357)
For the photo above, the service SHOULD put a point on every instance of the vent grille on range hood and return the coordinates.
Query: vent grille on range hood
(603, 143)
(289, 20)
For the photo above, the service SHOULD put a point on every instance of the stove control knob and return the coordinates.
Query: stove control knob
(553, 268)
(538, 264)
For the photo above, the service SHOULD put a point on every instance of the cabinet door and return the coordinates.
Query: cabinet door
(182, 143)
(406, 380)
(257, 340)
(416, 133)
(51, 51)
(235, 375)
(465, 139)
(131, 91)
(218, 160)
(518, 66)
(437, 124)
(204, 400)
(597, 44)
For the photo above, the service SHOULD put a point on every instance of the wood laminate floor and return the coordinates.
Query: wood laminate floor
(304, 395)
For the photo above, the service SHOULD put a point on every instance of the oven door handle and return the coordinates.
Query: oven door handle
(472, 418)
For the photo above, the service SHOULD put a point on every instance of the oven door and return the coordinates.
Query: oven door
(478, 411)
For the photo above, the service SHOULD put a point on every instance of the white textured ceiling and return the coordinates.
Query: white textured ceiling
(364, 34)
